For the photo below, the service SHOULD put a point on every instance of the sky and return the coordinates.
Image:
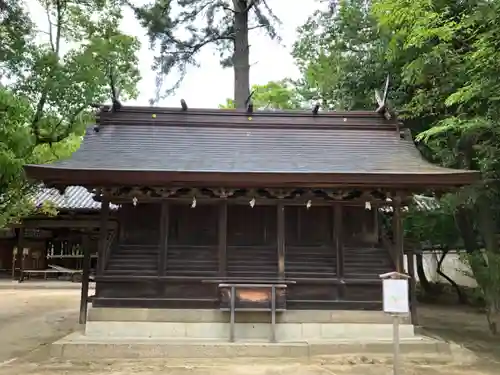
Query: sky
(210, 85)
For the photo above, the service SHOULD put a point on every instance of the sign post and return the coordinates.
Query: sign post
(396, 303)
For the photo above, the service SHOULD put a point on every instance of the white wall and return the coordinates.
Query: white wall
(452, 267)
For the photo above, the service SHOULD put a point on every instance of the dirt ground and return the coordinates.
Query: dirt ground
(31, 319)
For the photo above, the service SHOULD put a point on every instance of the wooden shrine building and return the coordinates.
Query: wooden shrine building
(40, 241)
(211, 198)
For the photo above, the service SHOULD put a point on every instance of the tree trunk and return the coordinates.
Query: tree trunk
(463, 219)
(493, 318)
(422, 278)
(486, 223)
(462, 298)
(241, 55)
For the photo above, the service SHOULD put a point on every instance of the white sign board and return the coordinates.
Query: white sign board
(396, 298)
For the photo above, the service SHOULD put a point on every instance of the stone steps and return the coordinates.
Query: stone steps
(79, 346)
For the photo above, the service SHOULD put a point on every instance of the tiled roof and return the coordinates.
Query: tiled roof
(425, 203)
(175, 148)
(74, 198)
(421, 202)
(212, 148)
(136, 139)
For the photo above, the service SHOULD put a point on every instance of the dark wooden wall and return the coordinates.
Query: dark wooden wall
(6, 246)
(192, 241)
(252, 242)
(332, 253)
(140, 225)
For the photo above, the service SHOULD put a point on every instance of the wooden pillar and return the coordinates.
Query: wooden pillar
(84, 297)
(20, 253)
(15, 255)
(339, 247)
(103, 236)
(413, 287)
(163, 248)
(397, 230)
(222, 227)
(281, 239)
(121, 216)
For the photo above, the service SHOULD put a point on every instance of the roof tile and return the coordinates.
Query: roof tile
(209, 149)
(74, 198)
(147, 140)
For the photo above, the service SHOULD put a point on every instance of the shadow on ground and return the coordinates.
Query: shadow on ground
(463, 325)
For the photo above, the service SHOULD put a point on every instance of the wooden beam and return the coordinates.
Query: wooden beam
(339, 246)
(163, 248)
(262, 201)
(84, 297)
(55, 223)
(103, 236)
(222, 227)
(214, 280)
(281, 239)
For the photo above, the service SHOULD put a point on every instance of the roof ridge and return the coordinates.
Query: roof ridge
(156, 116)
(230, 111)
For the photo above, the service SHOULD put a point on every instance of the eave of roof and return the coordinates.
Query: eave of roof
(245, 179)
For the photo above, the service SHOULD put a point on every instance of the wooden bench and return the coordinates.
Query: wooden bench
(235, 295)
(76, 275)
(29, 273)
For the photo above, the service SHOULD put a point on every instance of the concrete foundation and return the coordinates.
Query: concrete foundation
(245, 331)
(294, 325)
(79, 346)
(203, 334)
(217, 316)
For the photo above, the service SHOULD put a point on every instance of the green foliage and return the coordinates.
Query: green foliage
(454, 77)
(435, 227)
(341, 54)
(46, 105)
(273, 95)
(447, 55)
(15, 30)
